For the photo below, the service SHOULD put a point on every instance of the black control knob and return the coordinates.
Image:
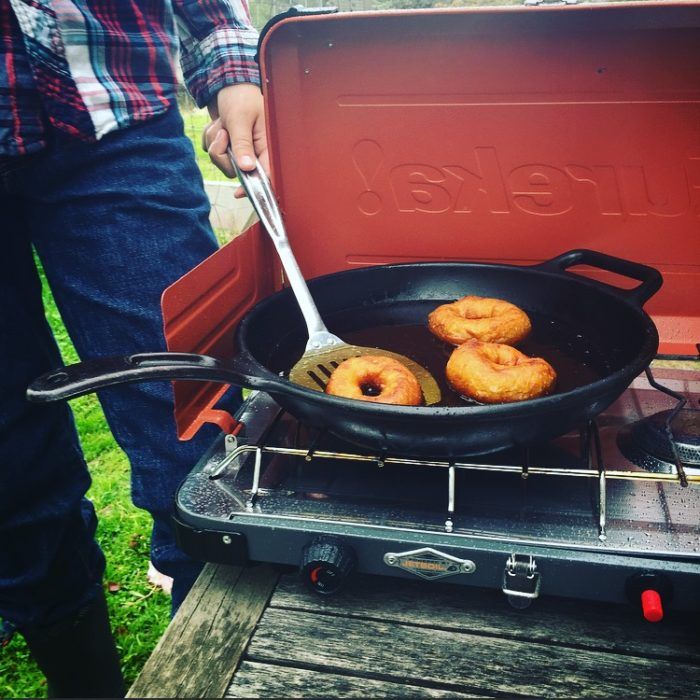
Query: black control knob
(325, 564)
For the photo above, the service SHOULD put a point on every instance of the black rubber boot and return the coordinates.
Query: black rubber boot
(78, 656)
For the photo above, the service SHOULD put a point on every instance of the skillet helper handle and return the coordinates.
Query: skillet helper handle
(651, 279)
(259, 191)
(85, 377)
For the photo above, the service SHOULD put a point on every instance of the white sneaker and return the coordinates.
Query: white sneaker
(158, 579)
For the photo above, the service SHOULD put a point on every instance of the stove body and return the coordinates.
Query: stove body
(547, 520)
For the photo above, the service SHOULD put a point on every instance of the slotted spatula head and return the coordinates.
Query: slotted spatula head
(316, 366)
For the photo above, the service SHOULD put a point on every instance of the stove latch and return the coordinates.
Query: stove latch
(521, 580)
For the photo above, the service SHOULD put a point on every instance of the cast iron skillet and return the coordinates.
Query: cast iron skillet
(597, 337)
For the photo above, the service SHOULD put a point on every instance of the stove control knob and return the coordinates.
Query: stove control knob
(650, 590)
(325, 564)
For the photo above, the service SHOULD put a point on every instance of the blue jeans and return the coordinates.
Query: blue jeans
(114, 223)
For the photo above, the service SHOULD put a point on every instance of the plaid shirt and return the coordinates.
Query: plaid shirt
(88, 67)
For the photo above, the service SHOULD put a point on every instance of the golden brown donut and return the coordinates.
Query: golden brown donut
(489, 320)
(375, 378)
(496, 373)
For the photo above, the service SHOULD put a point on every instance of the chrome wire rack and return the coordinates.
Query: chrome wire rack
(591, 456)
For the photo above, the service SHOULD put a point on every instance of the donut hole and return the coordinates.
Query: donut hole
(476, 314)
(500, 356)
(370, 387)
(507, 358)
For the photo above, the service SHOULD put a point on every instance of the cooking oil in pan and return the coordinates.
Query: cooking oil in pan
(402, 328)
(574, 360)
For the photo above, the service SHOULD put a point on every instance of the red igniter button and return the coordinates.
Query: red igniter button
(652, 608)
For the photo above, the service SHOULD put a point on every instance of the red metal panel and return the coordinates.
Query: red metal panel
(508, 134)
(200, 314)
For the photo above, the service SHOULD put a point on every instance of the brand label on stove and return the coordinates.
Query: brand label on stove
(486, 183)
(429, 563)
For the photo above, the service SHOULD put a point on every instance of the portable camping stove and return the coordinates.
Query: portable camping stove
(489, 135)
(605, 513)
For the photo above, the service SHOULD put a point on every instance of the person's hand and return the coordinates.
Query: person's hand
(238, 119)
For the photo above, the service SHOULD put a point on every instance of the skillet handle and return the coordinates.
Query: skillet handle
(86, 377)
(651, 279)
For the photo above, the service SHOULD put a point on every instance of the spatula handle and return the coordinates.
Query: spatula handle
(259, 191)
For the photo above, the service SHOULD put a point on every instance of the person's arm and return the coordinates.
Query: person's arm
(218, 45)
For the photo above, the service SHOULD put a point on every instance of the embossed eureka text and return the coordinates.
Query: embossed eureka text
(542, 189)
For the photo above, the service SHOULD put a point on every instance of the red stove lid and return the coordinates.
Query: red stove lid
(505, 134)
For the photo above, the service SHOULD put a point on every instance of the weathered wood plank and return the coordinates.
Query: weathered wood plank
(465, 662)
(200, 649)
(573, 623)
(256, 680)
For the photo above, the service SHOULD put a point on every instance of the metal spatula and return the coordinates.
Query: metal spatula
(324, 351)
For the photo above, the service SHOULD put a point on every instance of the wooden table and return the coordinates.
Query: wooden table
(253, 632)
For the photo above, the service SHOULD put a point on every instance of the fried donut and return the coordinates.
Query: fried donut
(496, 373)
(489, 320)
(375, 378)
